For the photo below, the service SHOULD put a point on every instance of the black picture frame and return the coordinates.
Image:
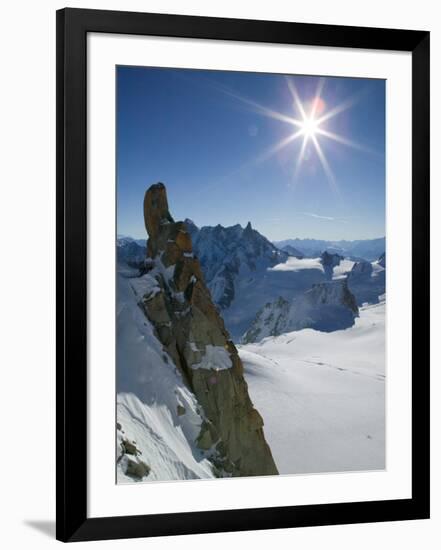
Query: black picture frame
(71, 429)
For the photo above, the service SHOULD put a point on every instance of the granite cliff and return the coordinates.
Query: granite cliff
(178, 304)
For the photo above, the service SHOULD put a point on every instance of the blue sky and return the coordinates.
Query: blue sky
(211, 137)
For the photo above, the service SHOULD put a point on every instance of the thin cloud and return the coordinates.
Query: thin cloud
(328, 218)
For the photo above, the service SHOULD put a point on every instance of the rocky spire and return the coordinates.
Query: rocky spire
(156, 215)
(193, 333)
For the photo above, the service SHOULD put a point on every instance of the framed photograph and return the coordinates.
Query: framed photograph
(242, 274)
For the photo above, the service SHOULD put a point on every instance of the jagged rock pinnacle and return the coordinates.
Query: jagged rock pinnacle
(156, 209)
(156, 215)
(192, 331)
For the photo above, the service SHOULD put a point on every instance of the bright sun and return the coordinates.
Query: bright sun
(309, 127)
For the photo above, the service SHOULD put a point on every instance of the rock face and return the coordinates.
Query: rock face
(367, 280)
(326, 307)
(187, 323)
(228, 254)
(271, 320)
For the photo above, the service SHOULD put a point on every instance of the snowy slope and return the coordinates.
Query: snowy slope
(322, 395)
(149, 391)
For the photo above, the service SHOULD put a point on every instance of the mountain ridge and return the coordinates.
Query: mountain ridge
(243, 270)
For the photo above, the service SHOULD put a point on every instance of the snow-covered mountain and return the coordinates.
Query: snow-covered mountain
(244, 271)
(227, 253)
(126, 238)
(325, 307)
(367, 280)
(130, 251)
(369, 249)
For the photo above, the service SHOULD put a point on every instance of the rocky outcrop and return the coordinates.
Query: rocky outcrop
(227, 253)
(271, 320)
(336, 293)
(329, 261)
(360, 270)
(189, 326)
(326, 307)
(128, 457)
(367, 280)
(382, 260)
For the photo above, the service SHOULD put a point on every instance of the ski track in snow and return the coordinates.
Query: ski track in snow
(322, 395)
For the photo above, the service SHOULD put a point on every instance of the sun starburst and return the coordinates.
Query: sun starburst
(311, 126)
(308, 122)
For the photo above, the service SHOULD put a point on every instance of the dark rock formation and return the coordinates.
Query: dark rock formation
(227, 253)
(137, 469)
(271, 320)
(368, 284)
(129, 458)
(382, 260)
(335, 293)
(193, 333)
(360, 270)
(325, 306)
(329, 261)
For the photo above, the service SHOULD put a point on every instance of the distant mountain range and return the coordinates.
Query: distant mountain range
(366, 249)
(369, 249)
(245, 272)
